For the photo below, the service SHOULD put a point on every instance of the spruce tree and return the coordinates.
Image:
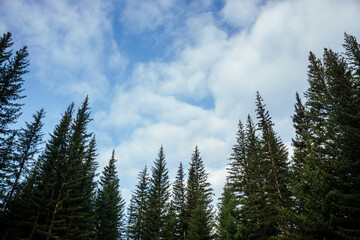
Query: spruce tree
(109, 205)
(198, 200)
(179, 201)
(278, 176)
(330, 196)
(254, 198)
(76, 213)
(12, 68)
(237, 163)
(137, 223)
(26, 148)
(302, 147)
(229, 227)
(171, 223)
(32, 210)
(159, 196)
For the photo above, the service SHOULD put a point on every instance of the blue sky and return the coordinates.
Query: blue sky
(172, 72)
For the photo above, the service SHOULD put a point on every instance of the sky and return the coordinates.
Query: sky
(177, 73)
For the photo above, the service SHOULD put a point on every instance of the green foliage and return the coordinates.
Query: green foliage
(159, 195)
(198, 200)
(137, 222)
(277, 175)
(109, 205)
(179, 203)
(12, 68)
(229, 227)
(328, 190)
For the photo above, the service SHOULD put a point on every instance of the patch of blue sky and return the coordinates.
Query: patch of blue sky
(207, 102)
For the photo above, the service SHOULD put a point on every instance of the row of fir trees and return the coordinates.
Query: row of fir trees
(51, 190)
(316, 193)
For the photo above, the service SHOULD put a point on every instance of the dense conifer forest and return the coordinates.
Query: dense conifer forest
(53, 193)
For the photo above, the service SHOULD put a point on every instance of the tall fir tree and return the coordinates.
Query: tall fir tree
(137, 223)
(229, 226)
(12, 68)
(330, 196)
(27, 145)
(110, 205)
(278, 176)
(77, 205)
(199, 201)
(37, 197)
(179, 203)
(171, 223)
(302, 148)
(254, 201)
(159, 196)
(237, 163)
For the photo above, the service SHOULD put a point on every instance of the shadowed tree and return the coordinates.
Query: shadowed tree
(198, 200)
(109, 205)
(159, 195)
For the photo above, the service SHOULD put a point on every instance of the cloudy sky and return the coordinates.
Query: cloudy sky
(176, 73)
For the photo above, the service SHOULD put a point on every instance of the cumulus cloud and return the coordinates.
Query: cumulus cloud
(68, 41)
(267, 54)
(241, 13)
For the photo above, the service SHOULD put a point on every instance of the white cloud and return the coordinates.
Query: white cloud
(270, 56)
(67, 41)
(241, 13)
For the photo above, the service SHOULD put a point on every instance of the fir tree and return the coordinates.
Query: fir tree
(330, 196)
(171, 223)
(179, 201)
(11, 71)
(278, 172)
(27, 146)
(32, 209)
(137, 222)
(229, 227)
(77, 212)
(237, 163)
(254, 199)
(302, 148)
(12, 68)
(159, 195)
(109, 205)
(198, 200)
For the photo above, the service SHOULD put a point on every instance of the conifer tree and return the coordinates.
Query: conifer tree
(27, 146)
(302, 148)
(159, 196)
(171, 223)
(254, 196)
(32, 208)
(237, 163)
(76, 205)
(89, 184)
(277, 176)
(229, 227)
(198, 200)
(52, 177)
(329, 197)
(179, 203)
(12, 68)
(109, 205)
(137, 222)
